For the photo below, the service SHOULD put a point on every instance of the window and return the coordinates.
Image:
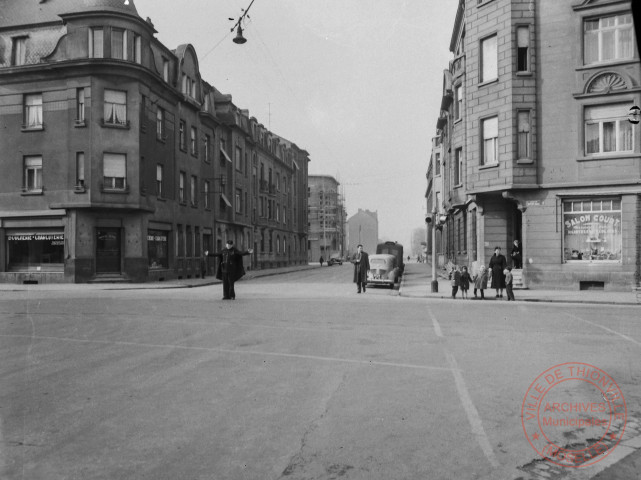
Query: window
(523, 49)
(239, 158)
(458, 102)
(437, 164)
(80, 169)
(181, 136)
(33, 110)
(35, 250)
(137, 48)
(458, 167)
(157, 249)
(96, 43)
(193, 191)
(193, 135)
(608, 38)
(165, 69)
(490, 127)
(80, 105)
(608, 130)
(19, 51)
(33, 173)
(114, 171)
(115, 107)
(489, 59)
(592, 229)
(181, 188)
(119, 44)
(207, 149)
(523, 137)
(239, 201)
(206, 194)
(159, 180)
(160, 124)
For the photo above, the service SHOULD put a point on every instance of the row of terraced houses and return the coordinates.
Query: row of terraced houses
(534, 143)
(119, 161)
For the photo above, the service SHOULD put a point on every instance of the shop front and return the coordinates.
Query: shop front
(35, 251)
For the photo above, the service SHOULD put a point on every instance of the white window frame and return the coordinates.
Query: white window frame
(33, 173)
(119, 53)
(490, 138)
(19, 51)
(160, 123)
(137, 48)
(114, 171)
(115, 107)
(623, 48)
(489, 59)
(181, 187)
(96, 42)
(33, 111)
(80, 105)
(600, 115)
(523, 134)
(159, 180)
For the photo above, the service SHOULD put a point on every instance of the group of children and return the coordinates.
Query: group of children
(462, 279)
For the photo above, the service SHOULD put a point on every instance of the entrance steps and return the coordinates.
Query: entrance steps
(517, 279)
(110, 278)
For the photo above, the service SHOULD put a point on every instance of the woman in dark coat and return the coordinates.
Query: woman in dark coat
(516, 255)
(497, 265)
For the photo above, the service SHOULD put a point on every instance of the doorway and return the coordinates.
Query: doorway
(108, 250)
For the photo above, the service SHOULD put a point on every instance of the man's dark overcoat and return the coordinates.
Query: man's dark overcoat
(235, 264)
(360, 268)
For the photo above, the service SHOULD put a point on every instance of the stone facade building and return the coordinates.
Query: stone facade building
(120, 162)
(326, 217)
(534, 141)
(362, 228)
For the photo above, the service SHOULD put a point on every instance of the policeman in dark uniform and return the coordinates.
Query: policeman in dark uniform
(230, 268)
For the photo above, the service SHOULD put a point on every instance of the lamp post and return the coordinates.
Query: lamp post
(437, 221)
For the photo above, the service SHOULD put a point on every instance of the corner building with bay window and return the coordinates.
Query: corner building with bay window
(534, 144)
(120, 162)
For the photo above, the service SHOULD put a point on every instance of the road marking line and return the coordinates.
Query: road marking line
(605, 328)
(246, 352)
(472, 413)
(436, 325)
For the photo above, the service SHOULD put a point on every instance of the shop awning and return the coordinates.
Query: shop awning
(225, 199)
(222, 150)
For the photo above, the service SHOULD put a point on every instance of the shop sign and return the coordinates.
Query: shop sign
(54, 238)
(157, 238)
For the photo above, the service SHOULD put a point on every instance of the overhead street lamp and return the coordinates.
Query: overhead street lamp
(437, 221)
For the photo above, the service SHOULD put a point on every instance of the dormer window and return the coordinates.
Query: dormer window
(19, 51)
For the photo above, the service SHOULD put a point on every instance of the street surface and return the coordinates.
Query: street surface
(299, 378)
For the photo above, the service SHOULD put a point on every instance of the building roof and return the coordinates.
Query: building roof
(29, 12)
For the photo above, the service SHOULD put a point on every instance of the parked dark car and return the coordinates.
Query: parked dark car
(334, 261)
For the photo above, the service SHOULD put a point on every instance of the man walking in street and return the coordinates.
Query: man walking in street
(361, 266)
(230, 268)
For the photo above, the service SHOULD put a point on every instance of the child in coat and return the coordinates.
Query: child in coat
(480, 282)
(455, 276)
(464, 282)
(508, 283)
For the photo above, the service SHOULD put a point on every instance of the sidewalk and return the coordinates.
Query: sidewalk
(174, 283)
(417, 283)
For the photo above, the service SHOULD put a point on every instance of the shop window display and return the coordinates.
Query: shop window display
(592, 230)
(35, 251)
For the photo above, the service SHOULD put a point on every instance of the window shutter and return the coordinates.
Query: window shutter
(114, 165)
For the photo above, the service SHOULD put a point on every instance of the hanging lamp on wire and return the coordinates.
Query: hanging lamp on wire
(239, 39)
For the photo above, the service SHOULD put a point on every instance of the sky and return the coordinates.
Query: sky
(356, 83)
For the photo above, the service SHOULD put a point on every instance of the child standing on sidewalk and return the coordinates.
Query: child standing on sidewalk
(455, 276)
(508, 283)
(480, 282)
(464, 282)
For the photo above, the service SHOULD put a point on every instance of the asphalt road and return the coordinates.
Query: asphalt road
(299, 378)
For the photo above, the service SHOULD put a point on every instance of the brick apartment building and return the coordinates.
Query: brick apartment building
(120, 161)
(534, 144)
